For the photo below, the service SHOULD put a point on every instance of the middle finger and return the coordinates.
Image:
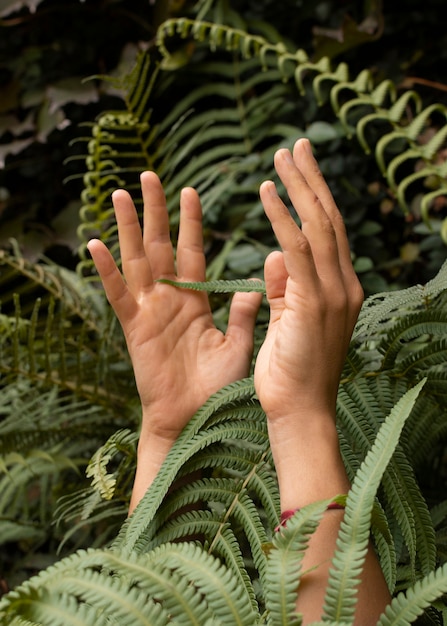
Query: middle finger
(156, 234)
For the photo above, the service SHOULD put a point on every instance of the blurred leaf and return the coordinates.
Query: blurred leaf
(369, 228)
(48, 120)
(65, 224)
(409, 252)
(245, 256)
(363, 264)
(350, 34)
(71, 90)
(11, 6)
(322, 132)
(13, 148)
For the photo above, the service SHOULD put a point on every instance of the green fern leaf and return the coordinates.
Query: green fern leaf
(352, 542)
(406, 607)
(218, 286)
(284, 564)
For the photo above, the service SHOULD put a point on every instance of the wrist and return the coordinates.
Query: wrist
(152, 451)
(161, 425)
(307, 458)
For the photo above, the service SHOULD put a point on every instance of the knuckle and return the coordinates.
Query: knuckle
(301, 244)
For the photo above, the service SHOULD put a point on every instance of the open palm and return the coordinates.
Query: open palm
(179, 357)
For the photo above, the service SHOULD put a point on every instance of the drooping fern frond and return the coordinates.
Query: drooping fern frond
(353, 539)
(359, 417)
(66, 386)
(179, 582)
(232, 418)
(53, 319)
(382, 311)
(284, 564)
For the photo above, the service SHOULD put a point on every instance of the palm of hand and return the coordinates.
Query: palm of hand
(178, 355)
(184, 358)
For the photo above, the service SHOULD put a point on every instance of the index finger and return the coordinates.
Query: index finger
(298, 256)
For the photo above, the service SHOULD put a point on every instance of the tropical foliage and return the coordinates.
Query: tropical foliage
(199, 546)
(206, 103)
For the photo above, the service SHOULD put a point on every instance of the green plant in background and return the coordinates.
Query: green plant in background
(218, 485)
(66, 385)
(229, 109)
(203, 115)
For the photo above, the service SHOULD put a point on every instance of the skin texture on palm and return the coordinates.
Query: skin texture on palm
(176, 350)
(180, 358)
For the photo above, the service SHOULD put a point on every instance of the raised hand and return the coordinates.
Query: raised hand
(314, 298)
(313, 292)
(179, 357)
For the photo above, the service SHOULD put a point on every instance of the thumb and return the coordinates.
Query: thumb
(243, 311)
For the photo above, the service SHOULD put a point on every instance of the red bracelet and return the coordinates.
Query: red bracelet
(286, 515)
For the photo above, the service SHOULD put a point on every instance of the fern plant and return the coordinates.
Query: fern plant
(200, 550)
(212, 119)
(200, 543)
(201, 546)
(64, 374)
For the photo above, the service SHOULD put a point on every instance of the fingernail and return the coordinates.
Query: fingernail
(308, 147)
(272, 190)
(287, 156)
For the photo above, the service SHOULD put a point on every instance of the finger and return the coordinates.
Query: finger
(156, 234)
(298, 257)
(136, 267)
(115, 288)
(241, 322)
(316, 224)
(308, 166)
(191, 264)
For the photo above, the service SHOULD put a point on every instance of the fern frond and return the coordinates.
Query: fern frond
(219, 286)
(352, 543)
(208, 525)
(122, 441)
(219, 35)
(191, 441)
(179, 580)
(361, 405)
(393, 115)
(406, 607)
(221, 589)
(384, 545)
(138, 524)
(424, 428)
(409, 327)
(384, 309)
(284, 564)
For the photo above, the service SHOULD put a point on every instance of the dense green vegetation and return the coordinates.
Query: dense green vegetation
(204, 93)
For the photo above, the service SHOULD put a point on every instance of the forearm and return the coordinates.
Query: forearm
(309, 468)
(151, 454)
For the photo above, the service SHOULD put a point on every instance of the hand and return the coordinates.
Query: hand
(313, 292)
(314, 298)
(179, 357)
